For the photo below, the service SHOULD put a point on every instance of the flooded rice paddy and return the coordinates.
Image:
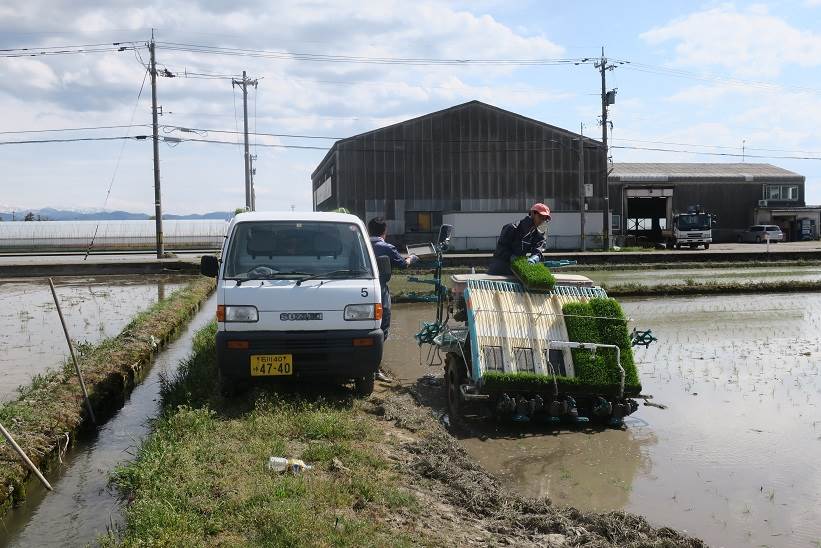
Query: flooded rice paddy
(83, 506)
(734, 459)
(31, 338)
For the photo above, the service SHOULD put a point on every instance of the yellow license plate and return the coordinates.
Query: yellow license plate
(272, 364)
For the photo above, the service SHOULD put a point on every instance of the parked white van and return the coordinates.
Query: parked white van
(298, 295)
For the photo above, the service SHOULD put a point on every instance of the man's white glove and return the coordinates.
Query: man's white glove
(414, 259)
(534, 259)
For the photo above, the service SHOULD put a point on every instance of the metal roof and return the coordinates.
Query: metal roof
(699, 171)
(445, 111)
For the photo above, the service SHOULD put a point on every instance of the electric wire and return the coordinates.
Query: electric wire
(303, 56)
(117, 164)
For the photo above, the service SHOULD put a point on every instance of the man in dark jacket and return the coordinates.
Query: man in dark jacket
(520, 239)
(378, 229)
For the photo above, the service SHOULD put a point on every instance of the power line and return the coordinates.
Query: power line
(41, 52)
(727, 154)
(321, 57)
(72, 140)
(56, 130)
(117, 164)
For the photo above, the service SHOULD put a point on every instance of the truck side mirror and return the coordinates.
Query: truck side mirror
(385, 269)
(445, 232)
(209, 266)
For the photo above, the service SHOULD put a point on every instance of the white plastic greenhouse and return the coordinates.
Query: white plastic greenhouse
(110, 235)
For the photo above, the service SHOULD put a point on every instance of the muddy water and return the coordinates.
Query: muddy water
(82, 507)
(735, 457)
(718, 275)
(31, 338)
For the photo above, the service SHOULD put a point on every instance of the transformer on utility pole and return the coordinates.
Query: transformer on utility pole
(244, 83)
(607, 98)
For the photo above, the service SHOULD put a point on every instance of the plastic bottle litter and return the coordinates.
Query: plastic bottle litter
(281, 464)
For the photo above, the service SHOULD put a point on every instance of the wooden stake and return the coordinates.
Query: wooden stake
(73, 356)
(25, 458)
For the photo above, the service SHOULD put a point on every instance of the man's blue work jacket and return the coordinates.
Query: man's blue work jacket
(381, 248)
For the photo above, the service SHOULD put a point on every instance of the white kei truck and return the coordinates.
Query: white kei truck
(298, 296)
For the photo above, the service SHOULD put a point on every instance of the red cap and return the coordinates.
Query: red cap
(541, 209)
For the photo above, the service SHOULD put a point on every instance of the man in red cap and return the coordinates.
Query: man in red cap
(521, 239)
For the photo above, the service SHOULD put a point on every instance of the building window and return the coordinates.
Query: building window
(615, 221)
(781, 193)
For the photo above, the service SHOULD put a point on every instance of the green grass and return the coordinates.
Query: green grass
(200, 478)
(533, 276)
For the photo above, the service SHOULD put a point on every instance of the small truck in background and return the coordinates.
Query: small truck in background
(693, 228)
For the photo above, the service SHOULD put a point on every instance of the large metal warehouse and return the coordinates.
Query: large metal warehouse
(474, 166)
(643, 196)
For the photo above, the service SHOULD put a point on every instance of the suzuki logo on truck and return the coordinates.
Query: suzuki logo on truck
(300, 316)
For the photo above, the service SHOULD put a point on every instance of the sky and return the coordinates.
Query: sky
(697, 82)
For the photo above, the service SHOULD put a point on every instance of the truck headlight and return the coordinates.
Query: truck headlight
(241, 314)
(355, 312)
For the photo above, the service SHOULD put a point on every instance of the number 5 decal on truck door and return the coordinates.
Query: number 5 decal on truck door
(364, 292)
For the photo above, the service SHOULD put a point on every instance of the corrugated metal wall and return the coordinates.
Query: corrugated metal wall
(473, 157)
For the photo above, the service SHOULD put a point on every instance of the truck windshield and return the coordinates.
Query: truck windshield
(694, 221)
(295, 249)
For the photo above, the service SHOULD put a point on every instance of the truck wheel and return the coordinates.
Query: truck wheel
(230, 388)
(363, 386)
(706, 247)
(678, 246)
(455, 374)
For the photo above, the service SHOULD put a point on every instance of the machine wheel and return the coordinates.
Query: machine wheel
(706, 247)
(455, 373)
(363, 386)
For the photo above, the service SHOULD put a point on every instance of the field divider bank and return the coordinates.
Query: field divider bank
(403, 291)
(385, 473)
(50, 412)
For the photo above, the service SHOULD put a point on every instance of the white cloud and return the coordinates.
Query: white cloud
(746, 43)
(293, 96)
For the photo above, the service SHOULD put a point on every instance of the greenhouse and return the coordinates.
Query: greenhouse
(110, 235)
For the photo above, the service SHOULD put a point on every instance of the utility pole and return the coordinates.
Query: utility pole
(582, 193)
(607, 98)
(244, 83)
(156, 139)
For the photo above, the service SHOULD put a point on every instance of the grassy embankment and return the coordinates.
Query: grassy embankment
(52, 405)
(202, 479)
(385, 474)
(402, 289)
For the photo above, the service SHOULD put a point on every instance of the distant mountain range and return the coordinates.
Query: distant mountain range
(51, 214)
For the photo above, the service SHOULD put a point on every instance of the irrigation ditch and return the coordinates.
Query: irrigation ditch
(50, 413)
